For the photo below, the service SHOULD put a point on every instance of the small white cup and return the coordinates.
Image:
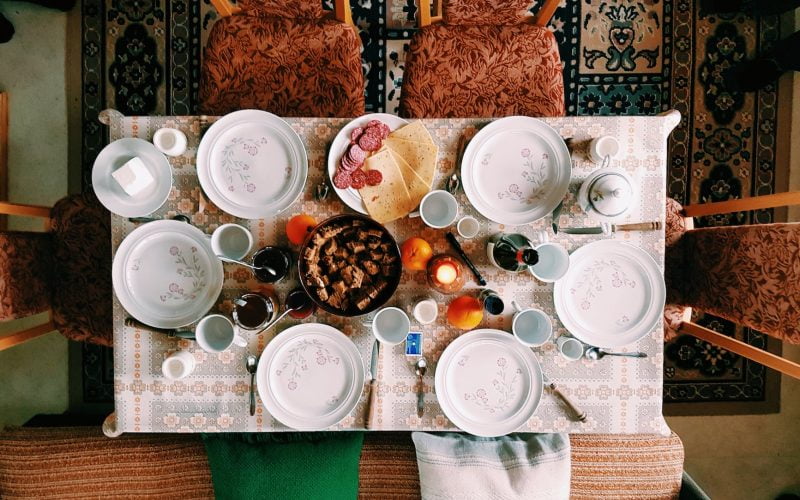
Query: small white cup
(602, 147)
(553, 262)
(232, 241)
(170, 141)
(468, 227)
(570, 348)
(425, 311)
(391, 326)
(178, 365)
(215, 333)
(438, 209)
(532, 327)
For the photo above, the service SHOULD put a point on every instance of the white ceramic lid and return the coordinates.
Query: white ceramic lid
(611, 194)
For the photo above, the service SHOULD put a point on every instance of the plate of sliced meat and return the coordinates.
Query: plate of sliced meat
(354, 143)
(349, 265)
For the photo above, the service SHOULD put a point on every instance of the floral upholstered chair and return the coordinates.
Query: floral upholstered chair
(486, 58)
(66, 270)
(290, 58)
(749, 275)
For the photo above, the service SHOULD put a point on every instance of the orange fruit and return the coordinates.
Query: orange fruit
(298, 227)
(415, 253)
(465, 312)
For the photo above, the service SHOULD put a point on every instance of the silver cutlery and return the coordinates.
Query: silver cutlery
(421, 367)
(277, 320)
(611, 228)
(373, 384)
(251, 363)
(321, 191)
(595, 353)
(179, 217)
(245, 264)
(556, 215)
(169, 332)
(579, 414)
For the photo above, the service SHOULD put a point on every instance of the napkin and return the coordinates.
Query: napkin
(285, 465)
(517, 466)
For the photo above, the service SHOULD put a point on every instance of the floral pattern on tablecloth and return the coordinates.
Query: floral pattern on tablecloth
(620, 395)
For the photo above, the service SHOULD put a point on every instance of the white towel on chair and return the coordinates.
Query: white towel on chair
(460, 466)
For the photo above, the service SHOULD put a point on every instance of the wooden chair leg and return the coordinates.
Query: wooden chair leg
(743, 205)
(224, 8)
(545, 13)
(737, 346)
(26, 335)
(3, 155)
(342, 12)
(424, 13)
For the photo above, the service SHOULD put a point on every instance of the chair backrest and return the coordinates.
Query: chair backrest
(746, 274)
(483, 12)
(25, 274)
(294, 9)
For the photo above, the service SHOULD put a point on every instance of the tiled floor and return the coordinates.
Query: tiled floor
(732, 457)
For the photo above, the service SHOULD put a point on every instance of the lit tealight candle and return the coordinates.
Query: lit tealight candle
(446, 274)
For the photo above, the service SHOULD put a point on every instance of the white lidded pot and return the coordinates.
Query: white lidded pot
(607, 193)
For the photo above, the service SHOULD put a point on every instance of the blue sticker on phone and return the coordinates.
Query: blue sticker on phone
(414, 344)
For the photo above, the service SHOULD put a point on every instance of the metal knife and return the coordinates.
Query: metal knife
(556, 214)
(579, 414)
(611, 228)
(373, 384)
(169, 332)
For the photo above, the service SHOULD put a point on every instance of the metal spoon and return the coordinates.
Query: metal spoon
(178, 217)
(595, 353)
(252, 363)
(421, 368)
(287, 311)
(245, 264)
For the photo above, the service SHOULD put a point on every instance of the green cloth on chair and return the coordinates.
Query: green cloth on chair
(285, 465)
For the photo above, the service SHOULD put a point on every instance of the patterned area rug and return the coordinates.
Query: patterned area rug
(623, 57)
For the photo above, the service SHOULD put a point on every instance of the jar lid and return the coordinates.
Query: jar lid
(610, 194)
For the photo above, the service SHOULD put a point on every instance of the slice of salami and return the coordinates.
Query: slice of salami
(369, 141)
(356, 153)
(385, 130)
(374, 123)
(358, 179)
(342, 179)
(347, 164)
(374, 177)
(355, 134)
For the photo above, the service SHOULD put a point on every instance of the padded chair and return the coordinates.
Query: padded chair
(486, 58)
(289, 58)
(749, 275)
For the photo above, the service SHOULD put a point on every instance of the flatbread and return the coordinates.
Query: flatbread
(421, 156)
(413, 132)
(389, 200)
(416, 187)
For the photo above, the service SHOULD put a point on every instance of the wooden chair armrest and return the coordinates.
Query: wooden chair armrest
(743, 205)
(342, 12)
(545, 13)
(18, 338)
(24, 210)
(737, 346)
(3, 152)
(225, 8)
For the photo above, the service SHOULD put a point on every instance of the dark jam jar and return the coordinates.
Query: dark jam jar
(300, 303)
(253, 311)
(277, 258)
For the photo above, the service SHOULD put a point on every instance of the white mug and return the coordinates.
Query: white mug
(570, 348)
(553, 262)
(425, 311)
(438, 209)
(532, 327)
(232, 241)
(391, 325)
(468, 227)
(170, 141)
(602, 147)
(215, 333)
(178, 365)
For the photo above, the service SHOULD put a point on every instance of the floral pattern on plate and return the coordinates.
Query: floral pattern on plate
(296, 361)
(503, 390)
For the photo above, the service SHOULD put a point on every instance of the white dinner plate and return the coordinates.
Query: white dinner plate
(252, 164)
(310, 376)
(487, 383)
(166, 275)
(612, 295)
(351, 196)
(516, 170)
(111, 194)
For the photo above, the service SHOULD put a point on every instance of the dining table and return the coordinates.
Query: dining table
(619, 395)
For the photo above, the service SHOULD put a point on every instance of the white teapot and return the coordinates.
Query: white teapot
(607, 193)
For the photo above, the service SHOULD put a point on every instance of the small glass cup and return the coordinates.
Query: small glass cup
(277, 258)
(253, 311)
(301, 304)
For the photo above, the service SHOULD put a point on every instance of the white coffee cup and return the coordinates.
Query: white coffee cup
(391, 326)
(232, 241)
(178, 365)
(468, 227)
(602, 147)
(215, 333)
(570, 348)
(532, 327)
(553, 262)
(438, 209)
(425, 311)
(170, 141)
